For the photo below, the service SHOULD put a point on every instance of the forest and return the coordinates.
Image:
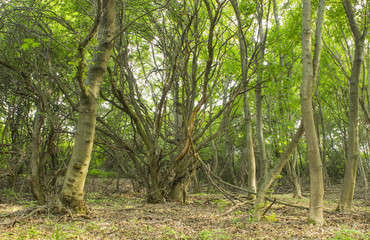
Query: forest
(200, 119)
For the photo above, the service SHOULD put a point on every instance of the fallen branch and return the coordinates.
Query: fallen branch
(263, 214)
(237, 206)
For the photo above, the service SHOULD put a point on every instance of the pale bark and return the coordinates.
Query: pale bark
(309, 70)
(274, 172)
(364, 175)
(258, 91)
(346, 198)
(72, 193)
(249, 150)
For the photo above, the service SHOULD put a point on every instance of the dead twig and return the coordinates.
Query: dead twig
(237, 206)
(263, 214)
(19, 219)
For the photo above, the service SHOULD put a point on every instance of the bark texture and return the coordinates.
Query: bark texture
(309, 69)
(346, 198)
(249, 149)
(273, 173)
(35, 159)
(258, 91)
(72, 193)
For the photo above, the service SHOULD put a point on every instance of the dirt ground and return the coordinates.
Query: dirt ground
(123, 214)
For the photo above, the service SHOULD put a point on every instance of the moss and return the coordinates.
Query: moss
(75, 205)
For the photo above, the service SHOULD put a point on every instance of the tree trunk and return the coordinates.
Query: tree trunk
(364, 175)
(272, 174)
(35, 159)
(346, 198)
(72, 193)
(177, 192)
(229, 143)
(155, 193)
(309, 68)
(249, 150)
(258, 91)
(292, 175)
(368, 81)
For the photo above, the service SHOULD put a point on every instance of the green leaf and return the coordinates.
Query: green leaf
(27, 42)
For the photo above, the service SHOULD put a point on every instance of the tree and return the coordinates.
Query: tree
(309, 71)
(72, 193)
(249, 149)
(346, 198)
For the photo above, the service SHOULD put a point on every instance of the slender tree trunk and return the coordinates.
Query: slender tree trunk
(368, 82)
(229, 152)
(249, 150)
(258, 91)
(36, 187)
(364, 175)
(323, 148)
(346, 198)
(272, 174)
(72, 193)
(292, 175)
(309, 68)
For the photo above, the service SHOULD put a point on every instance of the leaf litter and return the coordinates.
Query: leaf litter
(124, 214)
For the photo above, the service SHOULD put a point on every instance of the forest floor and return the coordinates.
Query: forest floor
(124, 214)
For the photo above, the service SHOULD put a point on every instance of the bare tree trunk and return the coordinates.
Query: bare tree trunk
(35, 159)
(309, 70)
(271, 176)
(368, 80)
(258, 91)
(72, 193)
(364, 175)
(229, 152)
(346, 198)
(292, 175)
(249, 150)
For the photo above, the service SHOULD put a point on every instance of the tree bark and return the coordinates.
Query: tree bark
(272, 174)
(258, 91)
(249, 150)
(36, 187)
(292, 175)
(72, 193)
(229, 143)
(346, 198)
(309, 68)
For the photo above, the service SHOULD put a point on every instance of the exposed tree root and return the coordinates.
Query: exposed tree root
(52, 208)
